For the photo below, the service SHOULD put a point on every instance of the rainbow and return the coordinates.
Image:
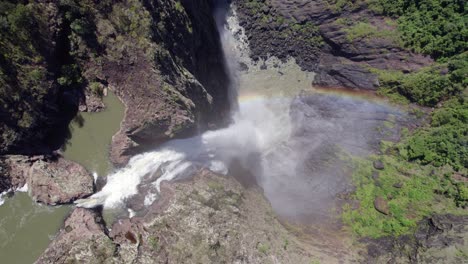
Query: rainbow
(358, 95)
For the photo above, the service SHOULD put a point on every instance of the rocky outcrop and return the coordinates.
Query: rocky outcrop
(209, 219)
(342, 44)
(438, 239)
(82, 239)
(14, 171)
(162, 58)
(59, 181)
(172, 81)
(50, 180)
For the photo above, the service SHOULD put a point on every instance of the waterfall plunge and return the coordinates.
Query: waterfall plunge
(258, 126)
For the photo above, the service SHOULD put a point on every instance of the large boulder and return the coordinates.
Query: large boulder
(14, 171)
(59, 181)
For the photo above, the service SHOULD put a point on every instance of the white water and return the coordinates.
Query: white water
(258, 127)
(288, 147)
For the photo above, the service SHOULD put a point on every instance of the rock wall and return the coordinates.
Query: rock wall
(343, 45)
(162, 58)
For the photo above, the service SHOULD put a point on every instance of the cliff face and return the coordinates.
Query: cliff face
(162, 58)
(32, 53)
(344, 44)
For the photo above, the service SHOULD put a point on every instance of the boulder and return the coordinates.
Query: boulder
(14, 171)
(381, 205)
(378, 165)
(59, 181)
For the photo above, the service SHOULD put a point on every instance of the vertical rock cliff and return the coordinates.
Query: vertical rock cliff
(162, 58)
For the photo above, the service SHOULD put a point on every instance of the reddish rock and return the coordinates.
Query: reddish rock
(14, 171)
(381, 205)
(59, 181)
(82, 239)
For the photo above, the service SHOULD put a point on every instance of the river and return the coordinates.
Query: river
(26, 227)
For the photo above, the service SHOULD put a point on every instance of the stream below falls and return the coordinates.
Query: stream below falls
(26, 227)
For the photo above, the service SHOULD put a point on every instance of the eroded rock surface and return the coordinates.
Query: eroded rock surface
(438, 239)
(59, 181)
(321, 39)
(81, 240)
(50, 180)
(209, 219)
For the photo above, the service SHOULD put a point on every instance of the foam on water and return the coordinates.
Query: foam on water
(258, 127)
(288, 143)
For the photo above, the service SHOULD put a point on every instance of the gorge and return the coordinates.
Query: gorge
(252, 132)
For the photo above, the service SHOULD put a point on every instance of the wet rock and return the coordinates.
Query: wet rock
(50, 179)
(59, 181)
(378, 165)
(14, 171)
(381, 205)
(83, 240)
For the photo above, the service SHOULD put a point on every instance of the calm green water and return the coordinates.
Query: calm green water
(91, 135)
(26, 227)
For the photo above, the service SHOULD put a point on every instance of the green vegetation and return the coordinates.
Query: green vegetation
(430, 85)
(179, 7)
(434, 27)
(445, 140)
(263, 248)
(409, 190)
(96, 88)
(23, 73)
(426, 171)
(363, 30)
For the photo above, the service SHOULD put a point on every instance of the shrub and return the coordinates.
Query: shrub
(434, 27)
(445, 141)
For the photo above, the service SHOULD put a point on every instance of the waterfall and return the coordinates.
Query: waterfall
(284, 133)
(258, 126)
